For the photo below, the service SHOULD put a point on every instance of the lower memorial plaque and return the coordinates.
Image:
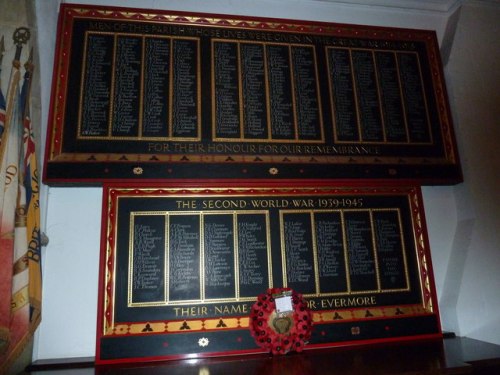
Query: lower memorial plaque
(182, 267)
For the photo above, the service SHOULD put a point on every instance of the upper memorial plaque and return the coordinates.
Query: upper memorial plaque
(152, 95)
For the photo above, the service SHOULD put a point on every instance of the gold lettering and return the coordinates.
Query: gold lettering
(158, 147)
(191, 311)
(267, 203)
(303, 203)
(347, 302)
(311, 304)
(224, 203)
(231, 309)
(189, 204)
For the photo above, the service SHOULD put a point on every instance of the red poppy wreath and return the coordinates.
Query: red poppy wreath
(280, 321)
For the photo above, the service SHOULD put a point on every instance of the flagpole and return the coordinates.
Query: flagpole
(20, 37)
(2, 52)
(29, 175)
(13, 293)
(2, 99)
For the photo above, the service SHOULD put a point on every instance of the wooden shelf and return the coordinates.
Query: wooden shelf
(456, 355)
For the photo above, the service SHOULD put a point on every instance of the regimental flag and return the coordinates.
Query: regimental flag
(31, 187)
(20, 219)
(9, 177)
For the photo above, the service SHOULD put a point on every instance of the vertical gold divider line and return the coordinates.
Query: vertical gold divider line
(402, 98)
(202, 257)
(130, 258)
(425, 98)
(294, 99)
(356, 99)
(198, 89)
(377, 81)
(346, 251)
(82, 86)
(315, 252)
(168, 105)
(167, 258)
(171, 89)
(141, 93)
(403, 249)
(240, 90)
(318, 93)
(375, 248)
(283, 249)
(112, 91)
(212, 89)
(236, 255)
(268, 96)
(331, 91)
(268, 249)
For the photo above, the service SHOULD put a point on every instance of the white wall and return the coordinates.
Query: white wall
(73, 214)
(474, 90)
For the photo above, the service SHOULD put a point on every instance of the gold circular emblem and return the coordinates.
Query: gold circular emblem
(280, 324)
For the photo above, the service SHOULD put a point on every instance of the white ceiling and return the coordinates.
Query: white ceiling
(430, 5)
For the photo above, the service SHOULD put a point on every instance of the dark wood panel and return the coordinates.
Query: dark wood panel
(449, 356)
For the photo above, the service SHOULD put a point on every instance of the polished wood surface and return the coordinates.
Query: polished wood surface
(448, 356)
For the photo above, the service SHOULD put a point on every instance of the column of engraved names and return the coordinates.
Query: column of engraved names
(280, 92)
(390, 251)
(185, 88)
(362, 272)
(147, 259)
(330, 248)
(306, 93)
(297, 244)
(252, 254)
(156, 87)
(219, 256)
(254, 91)
(226, 90)
(184, 267)
(96, 88)
(342, 95)
(390, 90)
(127, 86)
(367, 95)
(414, 97)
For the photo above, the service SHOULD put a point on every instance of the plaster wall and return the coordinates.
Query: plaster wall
(71, 260)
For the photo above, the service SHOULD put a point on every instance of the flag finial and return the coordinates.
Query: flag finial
(21, 36)
(2, 50)
(28, 65)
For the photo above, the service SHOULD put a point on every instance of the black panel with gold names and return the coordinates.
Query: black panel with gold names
(160, 96)
(187, 264)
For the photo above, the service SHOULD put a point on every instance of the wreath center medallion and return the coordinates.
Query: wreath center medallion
(281, 324)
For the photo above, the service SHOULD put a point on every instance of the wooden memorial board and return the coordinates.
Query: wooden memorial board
(142, 94)
(181, 268)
